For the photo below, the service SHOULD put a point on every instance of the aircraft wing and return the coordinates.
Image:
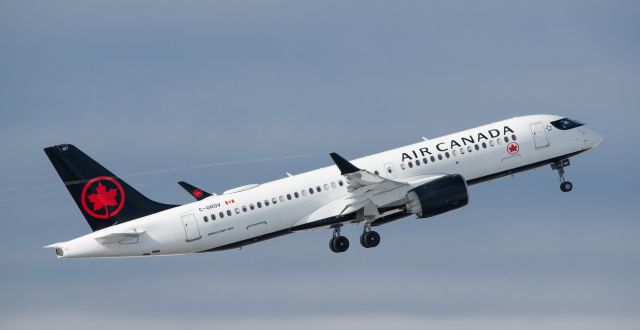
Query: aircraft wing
(358, 178)
(196, 192)
(366, 187)
(368, 192)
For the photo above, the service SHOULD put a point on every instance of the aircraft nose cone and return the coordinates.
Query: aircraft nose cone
(594, 138)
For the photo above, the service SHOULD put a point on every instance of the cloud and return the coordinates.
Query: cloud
(69, 321)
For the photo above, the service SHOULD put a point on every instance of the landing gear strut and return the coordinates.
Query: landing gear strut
(338, 243)
(559, 166)
(369, 238)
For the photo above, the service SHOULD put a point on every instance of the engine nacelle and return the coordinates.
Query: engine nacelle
(438, 196)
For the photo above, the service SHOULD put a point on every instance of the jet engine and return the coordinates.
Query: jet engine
(438, 196)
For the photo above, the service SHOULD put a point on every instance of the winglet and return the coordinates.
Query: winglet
(196, 192)
(344, 165)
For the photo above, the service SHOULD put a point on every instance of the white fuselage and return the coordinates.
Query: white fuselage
(482, 155)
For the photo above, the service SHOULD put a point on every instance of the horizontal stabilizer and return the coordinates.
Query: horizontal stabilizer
(52, 246)
(196, 192)
(123, 238)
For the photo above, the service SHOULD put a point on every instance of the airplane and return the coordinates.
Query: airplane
(424, 179)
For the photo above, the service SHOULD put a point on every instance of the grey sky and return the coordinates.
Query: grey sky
(152, 89)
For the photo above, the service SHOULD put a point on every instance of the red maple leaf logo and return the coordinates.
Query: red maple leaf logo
(513, 148)
(197, 193)
(103, 198)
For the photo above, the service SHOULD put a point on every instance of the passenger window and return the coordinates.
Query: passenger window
(499, 140)
(311, 191)
(206, 219)
(506, 139)
(484, 145)
(221, 215)
(513, 137)
(274, 201)
(289, 196)
(326, 186)
(340, 183)
(259, 204)
(455, 153)
(295, 194)
(318, 189)
(403, 167)
(410, 165)
(266, 202)
(469, 149)
(304, 193)
(417, 162)
(251, 206)
(433, 159)
(282, 199)
(229, 212)
(237, 210)
(477, 147)
(424, 160)
(244, 208)
(333, 185)
(462, 151)
(439, 156)
(213, 216)
(491, 143)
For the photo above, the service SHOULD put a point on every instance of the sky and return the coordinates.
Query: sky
(227, 93)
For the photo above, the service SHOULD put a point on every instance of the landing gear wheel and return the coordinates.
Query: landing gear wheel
(339, 244)
(559, 166)
(332, 245)
(566, 186)
(370, 239)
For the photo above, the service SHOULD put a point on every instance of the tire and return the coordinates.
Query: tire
(332, 245)
(566, 186)
(371, 239)
(340, 244)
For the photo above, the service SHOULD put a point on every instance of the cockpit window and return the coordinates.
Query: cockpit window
(566, 123)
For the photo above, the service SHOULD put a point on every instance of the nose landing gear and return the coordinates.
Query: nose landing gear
(565, 186)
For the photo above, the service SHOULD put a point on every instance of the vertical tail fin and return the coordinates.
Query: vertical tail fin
(103, 198)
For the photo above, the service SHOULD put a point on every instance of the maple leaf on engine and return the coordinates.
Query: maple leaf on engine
(103, 197)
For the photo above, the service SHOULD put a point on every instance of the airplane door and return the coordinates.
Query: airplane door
(539, 135)
(390, 172)
(190, 226)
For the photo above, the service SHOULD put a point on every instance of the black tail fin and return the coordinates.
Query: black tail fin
(103, 198)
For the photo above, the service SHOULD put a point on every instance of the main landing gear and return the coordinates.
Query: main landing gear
(338, 243)
(559, 166)
(369, 238)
